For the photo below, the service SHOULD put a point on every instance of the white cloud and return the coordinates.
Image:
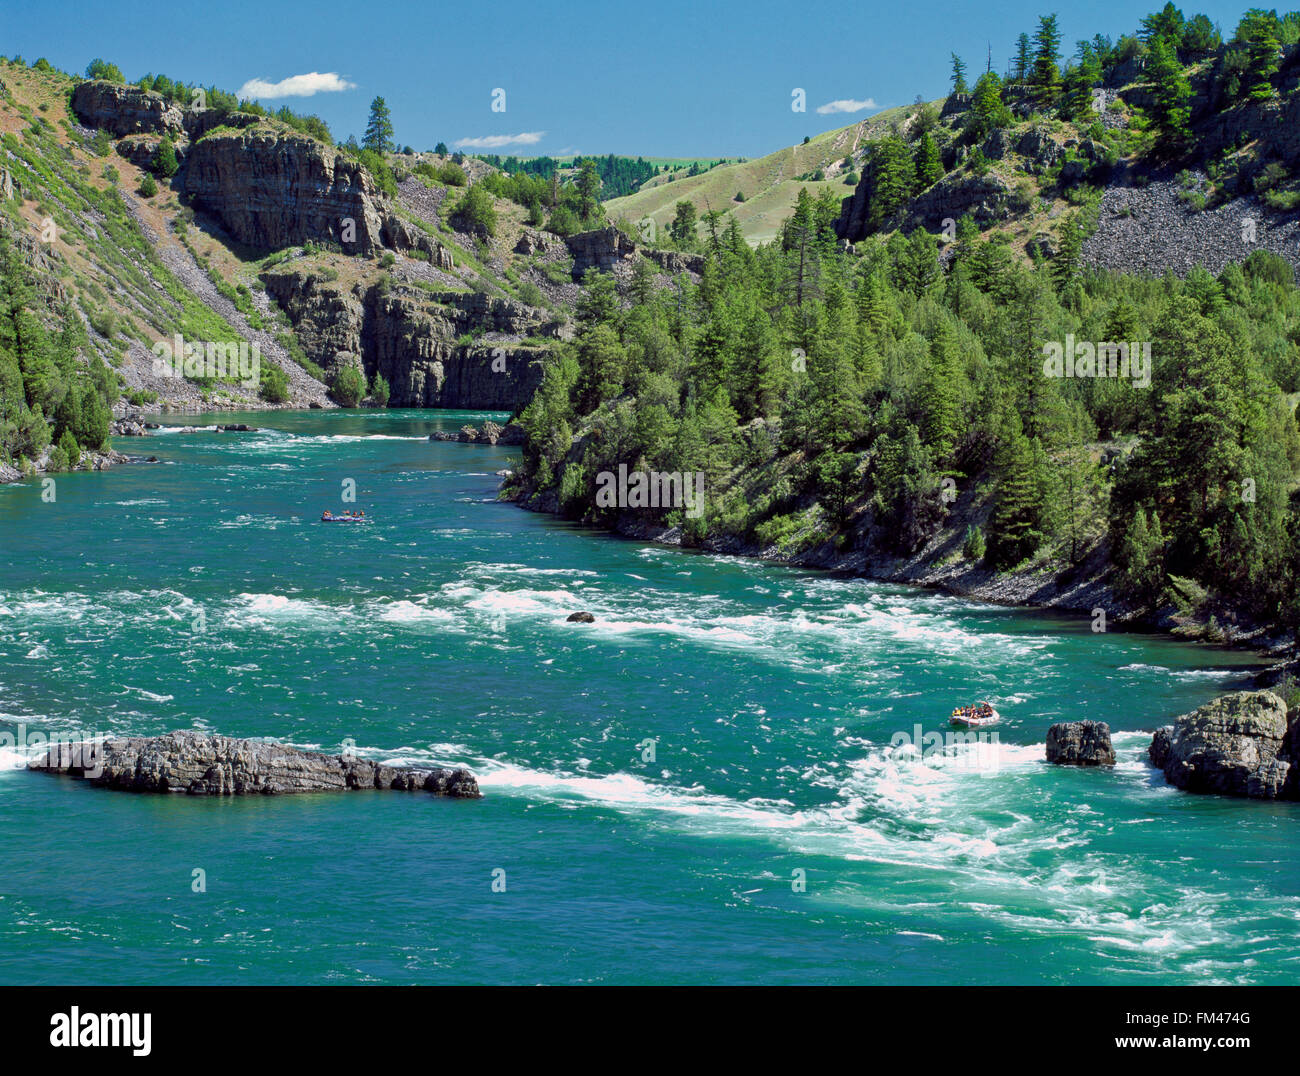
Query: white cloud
(296, 86)
(526, 138)
(846, 105)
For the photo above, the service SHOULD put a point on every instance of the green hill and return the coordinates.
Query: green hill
(770, 184)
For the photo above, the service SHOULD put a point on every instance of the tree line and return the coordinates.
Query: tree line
(836, 397)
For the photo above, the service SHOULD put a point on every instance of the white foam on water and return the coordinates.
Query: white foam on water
(147, 695)
(941, 822)
(16, 758)
(410, 612)
(265, 522)
(857, 633)
(277, 610)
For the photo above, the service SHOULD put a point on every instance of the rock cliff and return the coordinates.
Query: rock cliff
(126, 110)
(414, 339)
(200, 764)
(609, 250)
(268, 188)
(275, 190)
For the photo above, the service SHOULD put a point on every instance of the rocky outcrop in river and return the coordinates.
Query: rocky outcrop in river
(1243, 744)
(1080, 743)
(200, 764)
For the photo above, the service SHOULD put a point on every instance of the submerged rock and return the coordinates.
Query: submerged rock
(201, 764)
(1242, 744)
(1080, 743)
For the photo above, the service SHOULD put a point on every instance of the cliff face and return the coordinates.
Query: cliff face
(267, 189)
(272, 191)
(125, 110)
(412, 338)
(609, 251)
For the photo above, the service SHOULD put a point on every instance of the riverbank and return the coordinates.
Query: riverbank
(1084, 589)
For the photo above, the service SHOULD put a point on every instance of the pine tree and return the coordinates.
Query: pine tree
(959, 75)
(1173, 95)
(988, 109)
(379, 128)
(929, 165)
(1024, 59)
(938, 395)
(1258, 34)
(1047, 54)
(893, 178)
(1016, 526)
(1080, 78)
(1165, 25)
(682, 228)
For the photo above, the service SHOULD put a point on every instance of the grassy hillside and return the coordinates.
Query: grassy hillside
(770, 184)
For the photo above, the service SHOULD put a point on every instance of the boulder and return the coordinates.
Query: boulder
(1242, 744)
(580, 618)
(203, 764)
(532, 243)
(1080, 743)
(128, 426)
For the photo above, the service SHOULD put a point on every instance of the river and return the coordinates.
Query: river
(708, 785)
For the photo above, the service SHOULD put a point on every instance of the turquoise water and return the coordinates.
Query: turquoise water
(437, 634)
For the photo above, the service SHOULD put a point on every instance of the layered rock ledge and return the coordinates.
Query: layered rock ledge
(200, 764)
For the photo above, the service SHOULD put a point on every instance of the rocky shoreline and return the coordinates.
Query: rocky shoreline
(938, 566)
(200, 764)
(90, 461)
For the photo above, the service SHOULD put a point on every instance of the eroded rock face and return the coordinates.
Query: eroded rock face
(200, 764)
(412, 338)
(676, 261)
(601, 249)
(1241, 744)
(124, 110)
(1080, 743)
(271, 191)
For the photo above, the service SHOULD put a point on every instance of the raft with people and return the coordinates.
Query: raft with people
(981, 713)
(343, 517)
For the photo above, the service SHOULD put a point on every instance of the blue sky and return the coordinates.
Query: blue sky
(669, 78)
